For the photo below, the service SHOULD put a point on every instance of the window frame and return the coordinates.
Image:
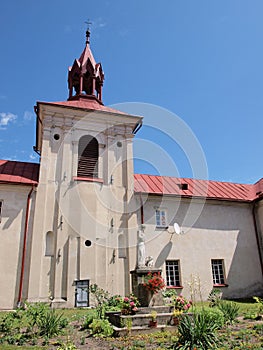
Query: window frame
(160, 225)
(176, 274)
(218, 272)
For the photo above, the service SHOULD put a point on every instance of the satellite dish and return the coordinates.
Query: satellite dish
(177, 228)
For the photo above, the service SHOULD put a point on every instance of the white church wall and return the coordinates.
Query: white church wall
(12, 228)
(223, 230)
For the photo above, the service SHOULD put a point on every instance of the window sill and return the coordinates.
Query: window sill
(87, 179)
(174, 287)
(220, 285)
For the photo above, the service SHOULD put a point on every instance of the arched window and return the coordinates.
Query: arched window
(88, 153)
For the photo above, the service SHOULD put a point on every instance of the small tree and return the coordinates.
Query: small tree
(101, 297)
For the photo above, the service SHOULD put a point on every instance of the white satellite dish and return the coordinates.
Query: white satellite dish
(177, 228)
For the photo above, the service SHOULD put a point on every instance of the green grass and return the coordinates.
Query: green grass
(245, 306)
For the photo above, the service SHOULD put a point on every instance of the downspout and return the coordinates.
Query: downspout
(257, 233)
(24, 247)
(142, 212)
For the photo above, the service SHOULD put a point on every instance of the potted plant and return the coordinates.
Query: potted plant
(129, 305)
(153, 320)
(154, 282)
(181, 305)
(176, 316)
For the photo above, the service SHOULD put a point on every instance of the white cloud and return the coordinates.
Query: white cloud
(6, 118)
(28, 115)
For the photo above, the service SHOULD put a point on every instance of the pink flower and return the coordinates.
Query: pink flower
(132, 303)
(126, 299)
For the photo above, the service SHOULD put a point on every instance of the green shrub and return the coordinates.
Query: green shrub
(214, 297)
(197, 331)
(11, 322)
(101, 328)
(230, 310)
(34, 311)
(101, 297)
(89, 319)
(51, 323)
(114, 303)
(67, 346)
(215, 315)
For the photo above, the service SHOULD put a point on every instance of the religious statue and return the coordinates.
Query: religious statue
(149, 261)
(141, 249)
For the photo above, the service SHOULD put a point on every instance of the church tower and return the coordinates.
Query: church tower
(85, 221)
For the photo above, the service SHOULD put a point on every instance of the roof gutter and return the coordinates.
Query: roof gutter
(137, 127)
(24, 247)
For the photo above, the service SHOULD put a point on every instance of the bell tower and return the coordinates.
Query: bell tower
(85, 77)
(84, 215)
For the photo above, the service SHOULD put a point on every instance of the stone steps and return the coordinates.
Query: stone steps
(125, 331)
(142, 318)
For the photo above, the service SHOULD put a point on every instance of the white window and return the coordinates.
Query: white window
(160, 216)
(218, 271)
(173, 273)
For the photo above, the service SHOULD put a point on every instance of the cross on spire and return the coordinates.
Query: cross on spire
(88, 31)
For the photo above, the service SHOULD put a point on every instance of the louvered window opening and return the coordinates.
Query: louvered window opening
(88, 157)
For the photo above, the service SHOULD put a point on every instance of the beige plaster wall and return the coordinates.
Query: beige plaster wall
(221, 230)
(11, 236)
(77, 211)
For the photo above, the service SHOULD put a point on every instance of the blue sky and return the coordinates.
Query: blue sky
(201, 60)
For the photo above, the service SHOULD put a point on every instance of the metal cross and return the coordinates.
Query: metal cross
(88, 24)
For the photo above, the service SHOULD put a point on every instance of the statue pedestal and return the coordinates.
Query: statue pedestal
(146, 297)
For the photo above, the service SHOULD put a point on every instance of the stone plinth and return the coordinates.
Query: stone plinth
(146, 297)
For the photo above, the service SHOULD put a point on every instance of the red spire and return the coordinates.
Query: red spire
(86, 76)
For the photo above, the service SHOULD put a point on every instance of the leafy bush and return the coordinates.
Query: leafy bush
(101, 328)
(11, 322)
(51, 323)
(230, 310)
(67, 346)
(215, 315)
(197, 331)
(34, 311)
(101, 297)
(89, 319)
(114, 303)
(214, 297)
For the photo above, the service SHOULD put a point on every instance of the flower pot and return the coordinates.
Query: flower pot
(175, 321)
(125, 312)
(153, 324)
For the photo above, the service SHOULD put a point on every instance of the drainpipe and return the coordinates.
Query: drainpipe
(257, 233)
(24, 248)
(142, 213)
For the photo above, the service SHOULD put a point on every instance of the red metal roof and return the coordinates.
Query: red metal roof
(18, 172)
(165, 185)
(85, 103)
(27, 173)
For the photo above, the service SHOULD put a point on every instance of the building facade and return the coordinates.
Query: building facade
(74, 219)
